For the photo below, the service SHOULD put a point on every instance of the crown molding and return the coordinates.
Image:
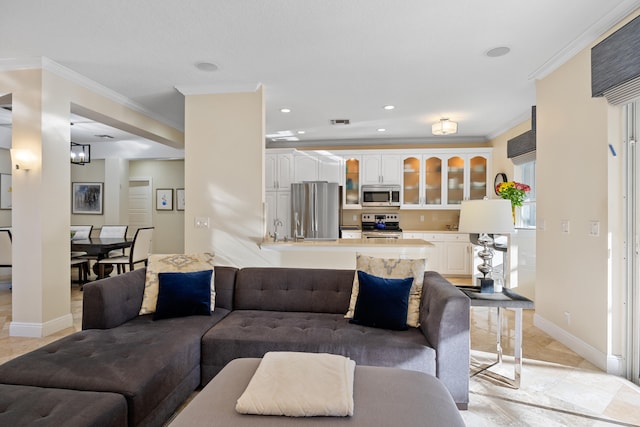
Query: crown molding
(354, 142)
(597, 29)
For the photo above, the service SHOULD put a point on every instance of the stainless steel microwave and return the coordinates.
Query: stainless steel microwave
(380, 195)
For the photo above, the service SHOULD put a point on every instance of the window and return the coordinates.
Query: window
(526, 214)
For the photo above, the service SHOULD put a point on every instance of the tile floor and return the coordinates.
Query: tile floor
(559, 388)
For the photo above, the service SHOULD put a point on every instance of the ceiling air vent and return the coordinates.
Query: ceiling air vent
(340, 121)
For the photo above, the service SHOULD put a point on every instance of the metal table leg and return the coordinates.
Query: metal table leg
(517, 352)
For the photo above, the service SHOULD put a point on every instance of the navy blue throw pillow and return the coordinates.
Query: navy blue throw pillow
(382, 303)
(183, 294)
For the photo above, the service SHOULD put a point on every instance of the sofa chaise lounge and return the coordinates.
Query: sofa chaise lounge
(156, 365)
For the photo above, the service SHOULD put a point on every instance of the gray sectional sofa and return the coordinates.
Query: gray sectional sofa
(156, 365)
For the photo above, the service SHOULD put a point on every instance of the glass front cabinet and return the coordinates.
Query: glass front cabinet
(437, 181)
(352, 176)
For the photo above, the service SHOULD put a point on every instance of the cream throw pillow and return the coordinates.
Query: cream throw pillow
(173, 263)
(392, 268)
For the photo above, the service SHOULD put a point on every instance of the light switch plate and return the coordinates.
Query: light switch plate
(564, 226)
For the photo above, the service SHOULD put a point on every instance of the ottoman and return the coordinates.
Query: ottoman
(36, 406)
(382, 397)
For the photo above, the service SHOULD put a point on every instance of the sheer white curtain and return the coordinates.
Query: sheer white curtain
(632, 126)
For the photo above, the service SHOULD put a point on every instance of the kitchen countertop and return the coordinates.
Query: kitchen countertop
(347, 244)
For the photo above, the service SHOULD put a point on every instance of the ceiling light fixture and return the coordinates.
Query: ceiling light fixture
(444, 127)
(389, 107)
(301, 132)
(381, 129)
(80, 154)
(285, 110)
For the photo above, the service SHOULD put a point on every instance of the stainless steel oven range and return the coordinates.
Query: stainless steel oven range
(381, 226)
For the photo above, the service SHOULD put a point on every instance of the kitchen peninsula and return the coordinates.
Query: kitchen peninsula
(341, 253)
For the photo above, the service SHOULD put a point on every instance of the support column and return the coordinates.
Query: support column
(41, 200)
(224, 177)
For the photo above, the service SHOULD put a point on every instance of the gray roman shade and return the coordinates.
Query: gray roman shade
(522, 148)
(615, 65)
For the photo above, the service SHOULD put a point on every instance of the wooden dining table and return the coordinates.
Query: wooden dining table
(99, 247)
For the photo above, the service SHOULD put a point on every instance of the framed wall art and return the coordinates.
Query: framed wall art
(5, 191)
(180, 199)
(164, 199)
(87, 198)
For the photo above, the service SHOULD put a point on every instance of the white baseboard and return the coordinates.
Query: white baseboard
(585, 350)
(39, 330)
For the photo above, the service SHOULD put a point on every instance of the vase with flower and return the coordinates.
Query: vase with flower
(516, 192)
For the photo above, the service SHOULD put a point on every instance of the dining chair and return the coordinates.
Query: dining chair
(114, 231)
(5, 249)
(80, 232)
(82, 264)
(139, 252)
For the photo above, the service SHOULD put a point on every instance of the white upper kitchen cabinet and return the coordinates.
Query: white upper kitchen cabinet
(278, 169)
(381, 169)
(318, 166)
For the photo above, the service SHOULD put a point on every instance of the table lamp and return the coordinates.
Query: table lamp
(486, 217)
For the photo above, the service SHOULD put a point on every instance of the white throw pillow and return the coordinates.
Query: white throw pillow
(392, 268)
(173, 263)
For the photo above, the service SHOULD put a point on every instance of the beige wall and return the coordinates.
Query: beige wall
(574, 287)
(168, 236)
(224, 177)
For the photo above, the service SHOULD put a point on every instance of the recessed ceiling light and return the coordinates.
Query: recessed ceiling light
(389, 107)
(285, 110)
(301, 132)
(382, 130)
(206, 66)
(498, 51)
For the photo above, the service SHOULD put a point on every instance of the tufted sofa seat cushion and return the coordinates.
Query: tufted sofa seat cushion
(252, 333)
(155, 365)
(35, 406)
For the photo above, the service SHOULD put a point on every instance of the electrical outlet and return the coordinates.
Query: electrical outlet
(567, 317)
(594, 228)
(421, 218)
(354, 218)
(564, 226)
(201, 222)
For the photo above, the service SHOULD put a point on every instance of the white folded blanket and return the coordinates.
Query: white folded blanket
(300, 385)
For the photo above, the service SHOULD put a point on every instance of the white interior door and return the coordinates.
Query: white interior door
(140, 204)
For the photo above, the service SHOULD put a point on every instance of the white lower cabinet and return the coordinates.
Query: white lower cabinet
(450, 253)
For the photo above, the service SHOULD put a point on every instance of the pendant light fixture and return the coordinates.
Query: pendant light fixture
(444, 127)
(80, 153)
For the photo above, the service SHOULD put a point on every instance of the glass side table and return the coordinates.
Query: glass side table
(505, 299)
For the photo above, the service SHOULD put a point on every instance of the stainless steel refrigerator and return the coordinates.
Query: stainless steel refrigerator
(315, 210)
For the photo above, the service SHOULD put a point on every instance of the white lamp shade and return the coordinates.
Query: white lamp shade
(486, 216)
